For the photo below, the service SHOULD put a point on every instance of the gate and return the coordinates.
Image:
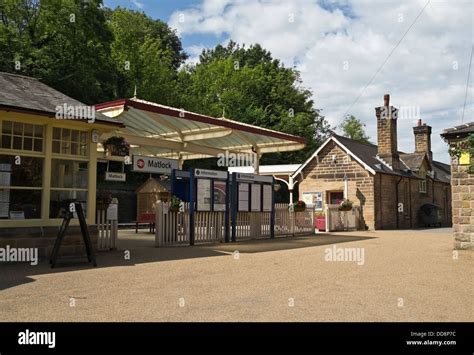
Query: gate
(107, 225)
(173, 227)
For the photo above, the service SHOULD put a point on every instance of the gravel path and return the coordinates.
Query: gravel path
(406, 276)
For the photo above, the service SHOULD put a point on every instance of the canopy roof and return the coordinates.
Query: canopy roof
(163, 131)
(281, 169)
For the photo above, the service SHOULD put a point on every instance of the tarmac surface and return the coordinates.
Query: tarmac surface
(403, 276)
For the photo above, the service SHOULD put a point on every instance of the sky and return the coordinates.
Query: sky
(341, 49)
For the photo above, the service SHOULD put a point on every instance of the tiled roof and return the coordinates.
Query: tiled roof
(27, 93)
(413, 160)
(367, 153)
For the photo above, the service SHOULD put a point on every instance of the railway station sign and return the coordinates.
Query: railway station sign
(144, 164)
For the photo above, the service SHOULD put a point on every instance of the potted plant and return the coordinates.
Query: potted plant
(299, 206)
(117, 146)
(320, 221)
(346, 205)
(175, 204)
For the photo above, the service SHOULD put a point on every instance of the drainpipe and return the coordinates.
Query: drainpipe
(380, 202)
(411, 212)
(396, 199)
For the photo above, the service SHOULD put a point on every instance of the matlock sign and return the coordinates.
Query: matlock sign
(145, 164)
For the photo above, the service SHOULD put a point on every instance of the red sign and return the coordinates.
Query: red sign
(141, 163)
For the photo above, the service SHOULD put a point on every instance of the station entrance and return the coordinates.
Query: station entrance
(201, 205)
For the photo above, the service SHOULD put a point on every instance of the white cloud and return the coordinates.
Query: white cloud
(138, 4)
(194, 52)
(338, 54)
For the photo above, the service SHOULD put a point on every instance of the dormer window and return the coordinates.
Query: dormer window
(422, 174)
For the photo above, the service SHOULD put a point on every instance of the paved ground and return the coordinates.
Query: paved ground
(406, 276)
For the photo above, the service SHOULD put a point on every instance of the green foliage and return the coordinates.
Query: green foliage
(346, 205)
(65, 43)
(247, 85)
(147, 54)
(353, 128)
(96, 54)
(299, 206)
(465, 145)
(175, 203)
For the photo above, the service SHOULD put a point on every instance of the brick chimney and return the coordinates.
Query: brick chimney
(423, 139)
(387, 133)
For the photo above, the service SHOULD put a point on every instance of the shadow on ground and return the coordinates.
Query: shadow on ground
(141, 249)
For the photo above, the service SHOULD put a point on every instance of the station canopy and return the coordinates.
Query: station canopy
(162, 131)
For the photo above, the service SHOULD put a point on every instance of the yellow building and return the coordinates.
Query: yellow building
(48, 153)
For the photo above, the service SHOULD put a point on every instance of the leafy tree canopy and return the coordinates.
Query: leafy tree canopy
(65, 43)
(353, 128)
(95, 54)
(147, 54)
(248, 85)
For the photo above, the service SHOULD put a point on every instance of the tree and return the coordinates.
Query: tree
(353, 128)
(64, 43)
(146, 53)
(249, 86)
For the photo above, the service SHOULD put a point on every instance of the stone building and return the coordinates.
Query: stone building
(389, 185)
(462, 185)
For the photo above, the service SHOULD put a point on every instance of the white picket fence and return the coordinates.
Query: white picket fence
(293, 223)
(342, 220)
(172, 228)
(108, 231)
(252, 225)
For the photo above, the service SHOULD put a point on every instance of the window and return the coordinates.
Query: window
(69, 181)
(59, 201)
(69, 174)
(69, 142)
(21, 136)
(336, 197)
(422, 175)
(21, 181)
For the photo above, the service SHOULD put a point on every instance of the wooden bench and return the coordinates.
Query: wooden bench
(146, 218)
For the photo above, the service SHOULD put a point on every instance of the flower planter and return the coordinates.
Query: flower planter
(174, 209)
(321, 223)
(345, 209)
(299, 209)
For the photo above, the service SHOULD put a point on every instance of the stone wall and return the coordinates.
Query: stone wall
(386, 202)
(462, 184)
(43, 238)
(327, 175)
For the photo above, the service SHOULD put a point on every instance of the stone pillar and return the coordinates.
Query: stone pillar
(462, 184)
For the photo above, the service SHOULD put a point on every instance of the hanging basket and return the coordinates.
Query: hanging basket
(117, 146)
